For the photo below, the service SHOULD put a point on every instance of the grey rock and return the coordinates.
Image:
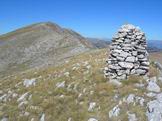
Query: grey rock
(153, 87)
(145, 63)
(115, 82)
(140, 71)
(130, 98)
(144, 67)
(158, 65)
(60, 84)
(114, 112)
(92, 119)
(140, 100)
(120, 72)
(5, 119)
(139, 85)
(23, 97)
(21, 104)
(117, 51)
(160, 79)
(29, 82)
(151, 94)
(132, 117)
(133, 71)
(134, 53)
(122, 77)
(154, 109)
(116, 67)
(42, 117)
(26, 114)
(141, 56)
(124, 54)
(92, 105)
(120, 58)
(70, 119)
(3, 98)
(131, 59)
(126, 65)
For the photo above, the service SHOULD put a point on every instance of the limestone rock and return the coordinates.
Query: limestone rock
(42, 117)
(23, 97)
(126, 65)
(115, 82)
(132, 117)
(92, 105)
(114, 112)
(29, 82)
(158, 65)
(131, 59)
(5, 119)
(92, 119)
(60, 84)
(130, 98)
(140, 71)
(153, 87)
(154, 109)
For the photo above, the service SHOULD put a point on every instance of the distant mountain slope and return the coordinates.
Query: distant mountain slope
(99, 43)
(153, 45)
(39, 45)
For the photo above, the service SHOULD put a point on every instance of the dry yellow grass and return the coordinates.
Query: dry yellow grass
(92, 86)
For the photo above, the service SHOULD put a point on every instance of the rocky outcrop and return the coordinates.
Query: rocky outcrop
(128, 54)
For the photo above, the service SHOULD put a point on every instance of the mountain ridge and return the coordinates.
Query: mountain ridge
(153, 45)
(40, 44)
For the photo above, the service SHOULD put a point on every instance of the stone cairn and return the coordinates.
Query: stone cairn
(128, 54)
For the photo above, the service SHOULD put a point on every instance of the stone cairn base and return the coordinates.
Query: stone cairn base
(128, 54)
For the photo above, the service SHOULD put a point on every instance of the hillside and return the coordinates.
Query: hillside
(39, 45)
(74, 91)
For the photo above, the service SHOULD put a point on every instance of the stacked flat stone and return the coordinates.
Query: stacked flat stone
(128, 54)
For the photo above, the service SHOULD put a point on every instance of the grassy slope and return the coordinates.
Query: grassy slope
(86, 79)
(156, 56)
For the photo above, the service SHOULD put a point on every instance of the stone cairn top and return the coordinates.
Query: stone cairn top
(128, 54)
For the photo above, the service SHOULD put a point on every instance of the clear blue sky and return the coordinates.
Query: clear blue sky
(92, 18)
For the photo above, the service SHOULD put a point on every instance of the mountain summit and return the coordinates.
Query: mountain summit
(39, 45)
